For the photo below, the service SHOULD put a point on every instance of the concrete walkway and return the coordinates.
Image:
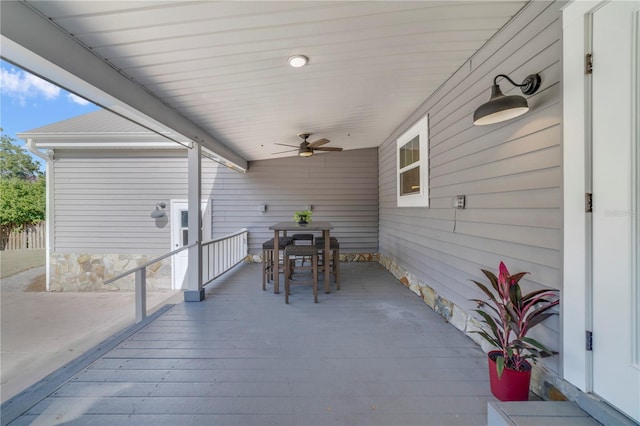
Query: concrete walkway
(14, 261)
(40, 332)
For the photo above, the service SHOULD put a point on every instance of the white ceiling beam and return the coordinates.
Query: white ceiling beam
(32, 42)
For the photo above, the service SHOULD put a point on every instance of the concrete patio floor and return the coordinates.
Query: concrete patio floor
(369, 354)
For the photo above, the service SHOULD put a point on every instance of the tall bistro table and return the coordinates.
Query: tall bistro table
(325, 227)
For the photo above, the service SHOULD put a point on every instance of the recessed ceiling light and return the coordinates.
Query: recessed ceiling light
(298, 61)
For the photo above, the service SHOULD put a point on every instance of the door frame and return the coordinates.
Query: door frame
(576, 292)
(576, 309)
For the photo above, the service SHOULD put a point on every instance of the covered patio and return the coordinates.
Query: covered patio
(369, 353)
(390, 83)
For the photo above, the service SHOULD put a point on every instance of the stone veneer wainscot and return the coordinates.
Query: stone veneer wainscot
(87, 272)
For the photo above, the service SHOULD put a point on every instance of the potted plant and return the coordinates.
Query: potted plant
(508, 316)
(302, 217)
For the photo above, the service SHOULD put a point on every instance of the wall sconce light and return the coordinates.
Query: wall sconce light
(159, 211)
(501, 107)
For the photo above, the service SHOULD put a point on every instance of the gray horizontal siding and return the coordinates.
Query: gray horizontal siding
(341, 187)
(102, 199)
(510, 173)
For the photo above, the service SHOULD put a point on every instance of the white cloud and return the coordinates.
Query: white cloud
(22, 86)
(77, 99)
(40, 86)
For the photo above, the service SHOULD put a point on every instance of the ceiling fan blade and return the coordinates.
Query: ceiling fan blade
(282, 152)
(319, 142)
(328, 148)
(284, 144)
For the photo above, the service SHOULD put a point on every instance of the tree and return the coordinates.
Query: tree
(22, 187)
(15, 163)
(22, 202)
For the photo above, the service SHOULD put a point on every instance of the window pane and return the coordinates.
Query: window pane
(184, 219)
(410, 181)
(410, 152)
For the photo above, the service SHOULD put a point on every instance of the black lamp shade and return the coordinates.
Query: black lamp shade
(499, 108)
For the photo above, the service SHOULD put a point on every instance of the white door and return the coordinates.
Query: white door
(180, 238)
(616, 292)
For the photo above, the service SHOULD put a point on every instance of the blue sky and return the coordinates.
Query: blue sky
(28, 102)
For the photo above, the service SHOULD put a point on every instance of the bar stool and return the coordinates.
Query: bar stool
(303, 239)
(334, 257)
(267, 258)
(290, 267)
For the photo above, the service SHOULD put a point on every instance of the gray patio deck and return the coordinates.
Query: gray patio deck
(369, 354)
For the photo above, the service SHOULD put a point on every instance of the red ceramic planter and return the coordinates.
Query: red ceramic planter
(512, 385)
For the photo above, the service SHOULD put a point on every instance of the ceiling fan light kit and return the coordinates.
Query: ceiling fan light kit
(298, 61)
(305, 151)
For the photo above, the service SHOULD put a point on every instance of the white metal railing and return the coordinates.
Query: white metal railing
(221, 254)
(218, 256)
(141, 281)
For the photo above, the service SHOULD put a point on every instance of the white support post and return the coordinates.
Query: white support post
(141, 294)
(194, 291)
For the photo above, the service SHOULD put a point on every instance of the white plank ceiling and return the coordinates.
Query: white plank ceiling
(223, 65)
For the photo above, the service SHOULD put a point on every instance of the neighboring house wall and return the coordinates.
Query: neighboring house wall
(341, 187)
(510, 173)
(102, 200)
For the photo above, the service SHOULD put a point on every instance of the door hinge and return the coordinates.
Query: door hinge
(588, 63)
(589, 340)
(588, 202)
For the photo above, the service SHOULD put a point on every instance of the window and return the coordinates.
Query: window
(413, 165)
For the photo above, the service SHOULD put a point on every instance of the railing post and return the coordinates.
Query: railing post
(141, 294)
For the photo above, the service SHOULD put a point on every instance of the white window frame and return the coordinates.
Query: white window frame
(421, 198)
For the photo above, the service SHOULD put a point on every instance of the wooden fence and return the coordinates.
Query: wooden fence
(30, 237)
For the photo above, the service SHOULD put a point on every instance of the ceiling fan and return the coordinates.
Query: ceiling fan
(306, 149)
